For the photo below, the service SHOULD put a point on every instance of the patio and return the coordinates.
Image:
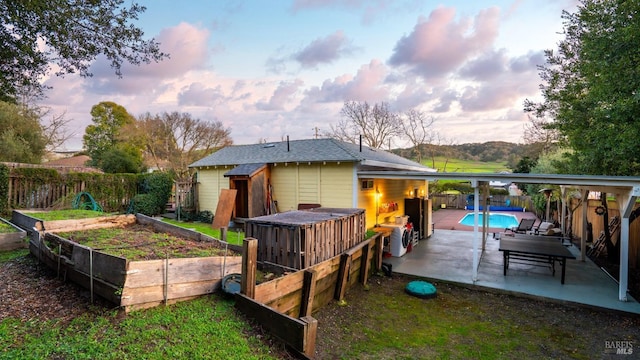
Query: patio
(448, 256)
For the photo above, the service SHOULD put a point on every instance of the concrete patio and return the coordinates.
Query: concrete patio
(448, 256)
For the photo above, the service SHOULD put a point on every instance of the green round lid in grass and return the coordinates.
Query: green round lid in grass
(421, 289)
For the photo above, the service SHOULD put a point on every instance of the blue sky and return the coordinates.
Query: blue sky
(268, 69)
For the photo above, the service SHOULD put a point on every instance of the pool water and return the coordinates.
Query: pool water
(495, 220)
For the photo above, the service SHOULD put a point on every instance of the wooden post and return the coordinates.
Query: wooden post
(343, 276)
(249, 267)
(379, 250)
(308, 292)
(364, 263)
(223, 234)
(310, 334)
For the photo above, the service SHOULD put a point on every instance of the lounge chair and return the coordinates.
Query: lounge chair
(526, 225)
(546, 228)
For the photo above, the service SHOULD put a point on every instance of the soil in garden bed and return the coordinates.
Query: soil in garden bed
(141, 242)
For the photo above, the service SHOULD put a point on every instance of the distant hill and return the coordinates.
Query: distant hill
(491, 151)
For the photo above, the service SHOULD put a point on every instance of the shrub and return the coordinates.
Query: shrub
(145, 204)
(156, 188)
(205, 216)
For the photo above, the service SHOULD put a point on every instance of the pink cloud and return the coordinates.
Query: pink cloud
(366, 85)
(281, 96)
(324, 50)
(440, 44)
(187, 48)
(198, 94)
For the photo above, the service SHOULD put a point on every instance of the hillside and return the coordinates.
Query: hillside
(491, 152)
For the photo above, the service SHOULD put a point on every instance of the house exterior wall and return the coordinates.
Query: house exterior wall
(330, 185)
(210, 182)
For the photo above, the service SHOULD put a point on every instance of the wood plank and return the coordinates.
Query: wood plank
(141, 295)
(343, 276)
(249, 267)
(151, 272)
(106, 267)
(269, 291)
(364, 264)
(89, 223)
(286, 328)
(308, 293)
(226, 205)
(311, 331)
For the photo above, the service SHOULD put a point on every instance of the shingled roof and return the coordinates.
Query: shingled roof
(310, 150)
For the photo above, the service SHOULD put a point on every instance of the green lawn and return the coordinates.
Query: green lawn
(68, 214)
(443, 164)
(208, 327)
(233, 237)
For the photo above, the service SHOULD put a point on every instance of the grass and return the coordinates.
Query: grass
(386, 323)
(233, 237)
(11, 255)
(443, 164)
(204, 328)
(6, 228)
(140, 243)
(70, 214)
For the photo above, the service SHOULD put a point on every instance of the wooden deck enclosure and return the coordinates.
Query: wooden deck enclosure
(300, 239)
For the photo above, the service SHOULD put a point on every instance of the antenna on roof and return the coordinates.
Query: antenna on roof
(287, 143)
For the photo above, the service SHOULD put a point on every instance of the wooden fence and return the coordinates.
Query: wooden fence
(29, 193)
(284, 305)
(598, 227)
(460, 201)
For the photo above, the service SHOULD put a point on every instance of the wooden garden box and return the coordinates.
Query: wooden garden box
(12, 240)
(302, 238)
(134, 284)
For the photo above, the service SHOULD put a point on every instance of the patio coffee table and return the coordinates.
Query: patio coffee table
(534, 249)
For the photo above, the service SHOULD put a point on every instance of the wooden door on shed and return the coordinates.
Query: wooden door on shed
(242, 198)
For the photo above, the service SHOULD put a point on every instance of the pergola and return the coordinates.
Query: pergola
(626, 190)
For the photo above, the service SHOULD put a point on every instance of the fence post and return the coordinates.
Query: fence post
(343, 276)
(308, 292)
(365, 264)
(249, 267)
(310, 334)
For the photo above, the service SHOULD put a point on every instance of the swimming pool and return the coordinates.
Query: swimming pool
(495, 220)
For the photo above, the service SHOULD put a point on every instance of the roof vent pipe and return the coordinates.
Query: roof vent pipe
(287, 143)
(360, 142)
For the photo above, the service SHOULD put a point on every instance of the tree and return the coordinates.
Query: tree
(590, 88)
(21, 135)
(70, 34)
(416, 125)
(179, 139)
(106, 138)
(376, 124)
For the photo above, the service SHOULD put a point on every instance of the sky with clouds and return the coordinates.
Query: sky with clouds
(271, 69)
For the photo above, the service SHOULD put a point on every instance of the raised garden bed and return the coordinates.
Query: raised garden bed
(144, 263)
(11, 236)
(67, 220)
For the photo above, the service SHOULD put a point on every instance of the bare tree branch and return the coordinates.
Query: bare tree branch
(415, 126)
(376, 124)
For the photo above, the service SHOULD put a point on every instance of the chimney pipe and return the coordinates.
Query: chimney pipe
(287, 143)
(360, 142)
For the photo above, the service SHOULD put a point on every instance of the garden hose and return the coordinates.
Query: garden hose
(89, 204)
